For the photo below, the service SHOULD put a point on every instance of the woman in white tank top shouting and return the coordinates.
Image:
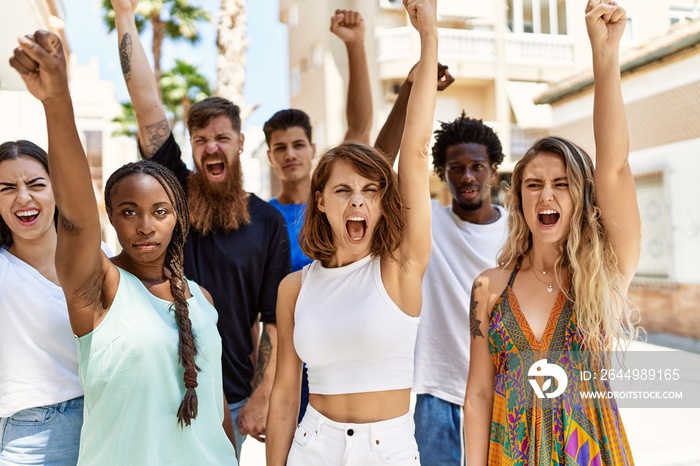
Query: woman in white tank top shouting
(352, 314)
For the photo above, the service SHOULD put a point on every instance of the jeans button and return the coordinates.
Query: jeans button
(351, 432)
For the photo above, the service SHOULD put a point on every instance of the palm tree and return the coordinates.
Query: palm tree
(182, 86)
(232, 45)
(174, 19)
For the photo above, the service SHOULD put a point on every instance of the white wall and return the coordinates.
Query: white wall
(680, 162)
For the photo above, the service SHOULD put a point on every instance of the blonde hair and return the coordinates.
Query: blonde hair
(604, 313)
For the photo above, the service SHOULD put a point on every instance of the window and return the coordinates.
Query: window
(295, 81)
(93, 151)
(655, 258)
(537, 16)
(680, 14)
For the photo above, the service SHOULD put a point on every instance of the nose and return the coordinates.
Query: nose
(546, 194)
(289, 154)
(357, 200)
(23, 195)
(211, 146)
(145, 226)
(468, 174)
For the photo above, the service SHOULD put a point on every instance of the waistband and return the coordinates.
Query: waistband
(373, 431)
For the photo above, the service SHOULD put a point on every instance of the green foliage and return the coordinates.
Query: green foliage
(181, 86)
(179, 16)
(126, 121)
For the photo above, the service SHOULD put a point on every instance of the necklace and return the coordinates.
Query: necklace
(536, 273)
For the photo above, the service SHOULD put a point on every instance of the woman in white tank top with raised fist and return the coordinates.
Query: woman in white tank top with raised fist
(352, 314)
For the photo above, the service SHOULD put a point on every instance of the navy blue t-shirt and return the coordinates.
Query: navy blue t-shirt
(242, 270)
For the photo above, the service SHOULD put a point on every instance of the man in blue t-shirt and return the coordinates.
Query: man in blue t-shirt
(291, 150)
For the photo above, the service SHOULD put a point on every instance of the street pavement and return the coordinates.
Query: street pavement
(658, 437)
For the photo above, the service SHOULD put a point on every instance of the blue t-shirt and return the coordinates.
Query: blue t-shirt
(294, 217)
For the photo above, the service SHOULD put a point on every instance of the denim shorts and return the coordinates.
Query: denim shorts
(45, 435)
(318, 441)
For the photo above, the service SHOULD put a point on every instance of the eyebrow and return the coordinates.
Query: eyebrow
(33, 180)
(532, 178)
(132, 203)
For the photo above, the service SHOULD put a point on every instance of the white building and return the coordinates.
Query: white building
(661, 86)
(500, 51)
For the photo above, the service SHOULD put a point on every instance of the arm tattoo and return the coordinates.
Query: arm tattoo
(157, 133)
(473, 321)
(264, 351)
(125, 50)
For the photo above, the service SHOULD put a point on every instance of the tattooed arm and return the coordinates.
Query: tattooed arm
(253, 416)
(478, 402)
(153, 126)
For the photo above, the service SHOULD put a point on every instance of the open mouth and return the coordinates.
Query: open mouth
(356, 228)
(27, 216)
(548, 217)
(469, 193)
(215, 168)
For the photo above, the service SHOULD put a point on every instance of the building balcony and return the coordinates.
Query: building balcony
(461, 47)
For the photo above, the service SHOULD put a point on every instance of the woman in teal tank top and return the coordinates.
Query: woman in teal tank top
(149, 350)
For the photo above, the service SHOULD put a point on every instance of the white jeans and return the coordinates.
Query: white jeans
(319, 441)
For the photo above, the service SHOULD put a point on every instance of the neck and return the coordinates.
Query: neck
(543, 258)
(149, 273)
(39, 253)
(295, 192)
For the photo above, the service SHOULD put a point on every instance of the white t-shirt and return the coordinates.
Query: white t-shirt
(38, 353)
(461, 250)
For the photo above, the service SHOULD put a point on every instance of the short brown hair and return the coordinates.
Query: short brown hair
(201, 113)
(316, 236)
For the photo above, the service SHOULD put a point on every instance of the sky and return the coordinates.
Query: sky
(267, 82)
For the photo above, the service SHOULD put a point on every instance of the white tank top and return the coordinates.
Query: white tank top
(350, 333)
(38, 355)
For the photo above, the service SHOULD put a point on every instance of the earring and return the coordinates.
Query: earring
(240, 151)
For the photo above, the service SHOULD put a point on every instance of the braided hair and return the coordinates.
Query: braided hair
(174, 261)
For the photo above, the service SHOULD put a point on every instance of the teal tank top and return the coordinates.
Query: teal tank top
(133, 384)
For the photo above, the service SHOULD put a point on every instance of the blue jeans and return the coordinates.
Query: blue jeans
(45, 435)
(439, 431)
(235, 408)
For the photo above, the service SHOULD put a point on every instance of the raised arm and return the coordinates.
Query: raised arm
(615, 190)
(413, 164)
(284, 399)
(153, 124)
(389, 138)
(80, 263)
(349, 26)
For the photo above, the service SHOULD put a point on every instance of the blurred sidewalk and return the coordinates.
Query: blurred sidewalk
(658, 437)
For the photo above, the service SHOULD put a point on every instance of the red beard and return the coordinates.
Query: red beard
(218, 206)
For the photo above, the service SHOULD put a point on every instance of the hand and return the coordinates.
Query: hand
(606, 22)
(444, 78)
(123, 7)
(253, 416)
(422, 14)
(41, 63)
(348, 25)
